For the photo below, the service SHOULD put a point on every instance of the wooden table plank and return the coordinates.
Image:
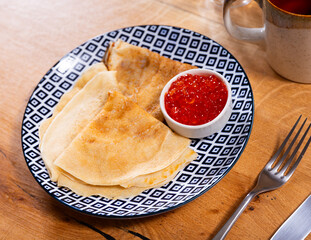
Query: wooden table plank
(36, 34)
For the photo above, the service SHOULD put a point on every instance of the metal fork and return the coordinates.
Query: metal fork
(272, 176)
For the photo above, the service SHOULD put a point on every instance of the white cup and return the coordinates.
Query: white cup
(287, 37)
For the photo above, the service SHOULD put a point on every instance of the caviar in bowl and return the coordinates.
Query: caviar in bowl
(196, 103)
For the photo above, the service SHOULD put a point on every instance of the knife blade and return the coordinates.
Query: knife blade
(298, 225)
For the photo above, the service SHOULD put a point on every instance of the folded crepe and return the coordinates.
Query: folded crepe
(140, 184)
(83, 189)
(121, 143)
(86, 76)
(142, 74)
(75, 115)
(113, 148)
(164, 175)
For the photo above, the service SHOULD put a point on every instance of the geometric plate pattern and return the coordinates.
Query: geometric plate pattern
(217, 153)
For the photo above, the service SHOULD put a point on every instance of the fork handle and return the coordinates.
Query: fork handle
(225, 229)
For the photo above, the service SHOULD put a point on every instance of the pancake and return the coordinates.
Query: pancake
(76, 114)
(122, 142)
(86, 76)
(86, 190)
(156, 179)
(142, 74)
(166, 174)
(106, 137)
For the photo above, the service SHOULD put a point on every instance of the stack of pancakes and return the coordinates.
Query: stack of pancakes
(106, 136)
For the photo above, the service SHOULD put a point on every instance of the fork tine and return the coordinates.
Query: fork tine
(275, 156)
(289, 161)
(276, 167)
(291, 171)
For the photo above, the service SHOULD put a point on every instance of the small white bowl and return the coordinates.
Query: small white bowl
(204, 130)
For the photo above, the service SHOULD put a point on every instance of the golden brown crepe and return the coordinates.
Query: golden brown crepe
(86, 76)
(142, 74)
(121, 143)
(166, 174)
(75, 115)
(104, 143)
(83, 189)
(156, 179)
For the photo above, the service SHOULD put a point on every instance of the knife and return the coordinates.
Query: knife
(298, 225)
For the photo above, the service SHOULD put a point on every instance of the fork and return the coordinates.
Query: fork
(272, 175)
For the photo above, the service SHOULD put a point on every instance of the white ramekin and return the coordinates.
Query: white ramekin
(204, 130)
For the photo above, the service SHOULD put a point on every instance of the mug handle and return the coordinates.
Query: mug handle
(241, 33)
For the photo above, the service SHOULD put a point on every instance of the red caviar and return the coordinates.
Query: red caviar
(196, 99)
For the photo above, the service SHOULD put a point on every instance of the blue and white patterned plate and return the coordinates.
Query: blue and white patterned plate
(217, 153)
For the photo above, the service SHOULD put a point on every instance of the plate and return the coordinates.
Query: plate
(216, 153)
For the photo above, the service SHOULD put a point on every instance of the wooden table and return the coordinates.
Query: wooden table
(36, 34)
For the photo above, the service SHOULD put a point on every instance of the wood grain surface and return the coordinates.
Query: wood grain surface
(34, 35)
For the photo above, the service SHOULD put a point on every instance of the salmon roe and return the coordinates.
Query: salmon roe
(196, 99)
